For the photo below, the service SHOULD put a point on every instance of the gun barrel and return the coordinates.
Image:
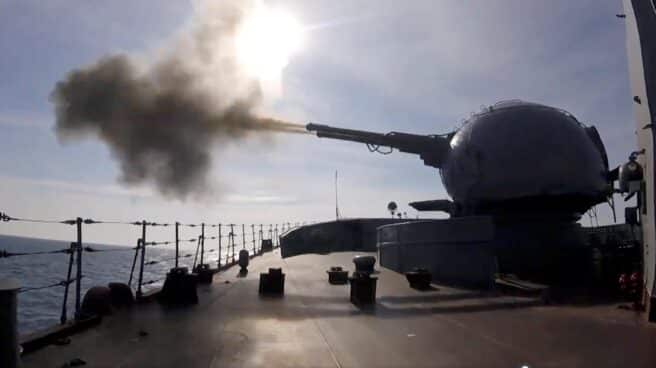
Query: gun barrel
(432, 149)
(361, 136)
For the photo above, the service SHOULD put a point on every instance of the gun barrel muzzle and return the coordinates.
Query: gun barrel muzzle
(316, 127)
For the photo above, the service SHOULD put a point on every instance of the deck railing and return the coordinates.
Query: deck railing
(229, 236)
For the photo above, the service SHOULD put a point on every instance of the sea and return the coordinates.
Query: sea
(40, 309)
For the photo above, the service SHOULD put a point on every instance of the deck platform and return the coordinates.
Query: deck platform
(315, 325)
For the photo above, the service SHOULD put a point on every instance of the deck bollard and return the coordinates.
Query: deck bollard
(266, 245)
(337, 276)
(179, 287)
(363, 286)
(243, 260)
(272, 283)
(363, 289)
(9, 355)
(364, 264)
(419, 278)
(204, 273)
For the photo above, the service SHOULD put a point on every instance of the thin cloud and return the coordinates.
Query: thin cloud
(259, 199)
(78, 188)
(24, 120)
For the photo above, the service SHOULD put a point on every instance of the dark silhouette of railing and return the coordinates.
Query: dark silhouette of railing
(225, 251)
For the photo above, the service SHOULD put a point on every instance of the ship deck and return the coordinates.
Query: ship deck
(315, 325)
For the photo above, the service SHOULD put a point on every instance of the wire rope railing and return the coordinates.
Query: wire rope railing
(227, 237)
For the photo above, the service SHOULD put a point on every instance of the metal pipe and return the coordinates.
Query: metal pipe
(143, 257)
(9, 354)
(78, 277)
(64, 312)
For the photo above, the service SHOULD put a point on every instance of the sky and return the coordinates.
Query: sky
(381, 65)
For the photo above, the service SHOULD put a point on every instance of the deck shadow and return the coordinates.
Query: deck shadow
(436, 297)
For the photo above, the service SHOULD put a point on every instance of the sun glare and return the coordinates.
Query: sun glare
(265, 42)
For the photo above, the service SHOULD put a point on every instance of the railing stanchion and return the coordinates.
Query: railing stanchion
(64, 312)
(243, 237)
(134, 261)
(218, 262)
(261, 237)
(232, 242)
(78, 277)
(177, 243)
(202, 243)
(193, 266)
(277, 237)
(253, 233)
(143, 257)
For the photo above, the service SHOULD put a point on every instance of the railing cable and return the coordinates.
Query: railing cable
(7, 254)
(60, 283)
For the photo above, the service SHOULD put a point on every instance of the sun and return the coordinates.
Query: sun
(265, 42)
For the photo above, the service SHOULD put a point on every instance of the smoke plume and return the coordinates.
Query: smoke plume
(163, 118)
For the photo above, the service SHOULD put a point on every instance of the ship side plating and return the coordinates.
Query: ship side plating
(641, 50)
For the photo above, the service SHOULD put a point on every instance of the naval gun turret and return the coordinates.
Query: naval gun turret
(512, 158)
(519, 176)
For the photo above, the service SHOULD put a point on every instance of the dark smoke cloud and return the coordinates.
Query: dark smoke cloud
(162, 121)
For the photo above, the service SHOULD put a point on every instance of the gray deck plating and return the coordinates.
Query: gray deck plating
(314, 325)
